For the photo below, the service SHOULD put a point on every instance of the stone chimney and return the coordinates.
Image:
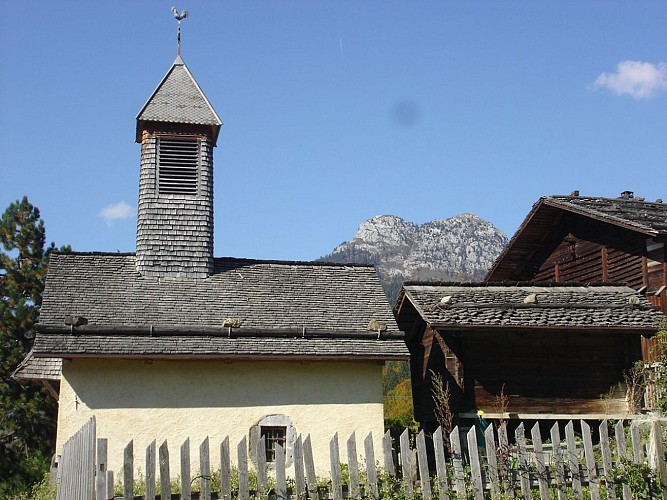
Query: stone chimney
(178, 129)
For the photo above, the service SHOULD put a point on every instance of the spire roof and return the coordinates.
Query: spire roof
(179, 99)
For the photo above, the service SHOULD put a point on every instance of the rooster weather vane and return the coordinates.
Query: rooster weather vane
(178, 17)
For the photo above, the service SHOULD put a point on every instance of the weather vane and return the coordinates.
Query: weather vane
(178, 17)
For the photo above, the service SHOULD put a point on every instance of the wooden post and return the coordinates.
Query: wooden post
(606, 458)
(150, 471)
(388, 455)
(242, 453)
(186, 489)
(622, 453)
(353, 466)
(475, 466)
(165, 479)
(424, 477)
(225, 471)
(558, 459)
(524, 473)
(371, 474)
(101, 470)
(406, 466)
(540, 466)
(591, 467)
(299, 472)
(336, 486)
(490, 442)
(457, 462)
(281, 482)
(205, 470)
(573, 460)
(440, 464)
(311, 480)
(128, 471)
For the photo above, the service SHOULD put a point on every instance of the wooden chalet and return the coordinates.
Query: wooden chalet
(587, 239)
(555, 351)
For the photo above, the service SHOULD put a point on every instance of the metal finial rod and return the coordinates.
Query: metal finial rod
(178, 17)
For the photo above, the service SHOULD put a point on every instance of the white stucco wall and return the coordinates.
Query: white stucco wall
(172, 400)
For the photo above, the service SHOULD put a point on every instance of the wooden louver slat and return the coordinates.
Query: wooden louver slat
(178, 166)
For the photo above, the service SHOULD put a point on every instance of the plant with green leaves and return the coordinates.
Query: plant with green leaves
(27, 414)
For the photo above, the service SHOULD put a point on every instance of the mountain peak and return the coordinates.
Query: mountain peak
(460, 248)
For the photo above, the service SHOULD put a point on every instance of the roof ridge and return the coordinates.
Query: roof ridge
(291, 262)
(509, 284)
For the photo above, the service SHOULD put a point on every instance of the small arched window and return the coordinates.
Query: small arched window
(270, 431)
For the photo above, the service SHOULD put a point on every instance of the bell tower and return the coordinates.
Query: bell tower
(177, 129)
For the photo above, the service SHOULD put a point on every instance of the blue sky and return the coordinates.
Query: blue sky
(335, 111)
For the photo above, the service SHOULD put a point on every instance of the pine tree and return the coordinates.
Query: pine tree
(27, 414)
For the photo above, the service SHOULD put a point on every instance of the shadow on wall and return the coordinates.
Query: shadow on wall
(103, 384)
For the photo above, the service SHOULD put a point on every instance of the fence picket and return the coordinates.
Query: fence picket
(636, 444)
(591, 466)
(150, 471)
(457, 462)
(540, 466)
(388, 455)
(606, 458)
(573, 460)
(225, 471)
(165, 478)
(524, 473)
(406, 465)
(281, 481)
(492, 462)
(128, 471)
(260, 454)
(422, 461)
(186, 488)
(371, 474)
(299, 473)
(242, 454)
(353, 466)
(558, 459)
(334, 456)
(475, 466)
(311, 480)
(204, 470)
(504, 468)
(659, 466)
(440, 464)
(622, 453)
(101, 470)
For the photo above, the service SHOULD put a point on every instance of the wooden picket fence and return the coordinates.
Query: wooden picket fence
(566, 467)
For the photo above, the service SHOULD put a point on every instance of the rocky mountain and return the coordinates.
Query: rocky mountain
(461, 248)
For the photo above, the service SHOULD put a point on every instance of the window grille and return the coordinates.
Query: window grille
(178, 160)
(273, 436)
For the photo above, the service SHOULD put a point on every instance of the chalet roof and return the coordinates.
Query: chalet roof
(532, 306)
(178, 99)
(627, 212)
(32, 368)
(285, 309)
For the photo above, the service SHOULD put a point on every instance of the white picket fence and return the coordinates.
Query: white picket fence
(567, 467)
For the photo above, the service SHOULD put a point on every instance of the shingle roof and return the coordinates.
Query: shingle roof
(635, 213)
(32, 368)
(502, 305)
(178, 99)
(274, 301)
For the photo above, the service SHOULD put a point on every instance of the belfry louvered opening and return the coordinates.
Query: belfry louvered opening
(178, 160)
